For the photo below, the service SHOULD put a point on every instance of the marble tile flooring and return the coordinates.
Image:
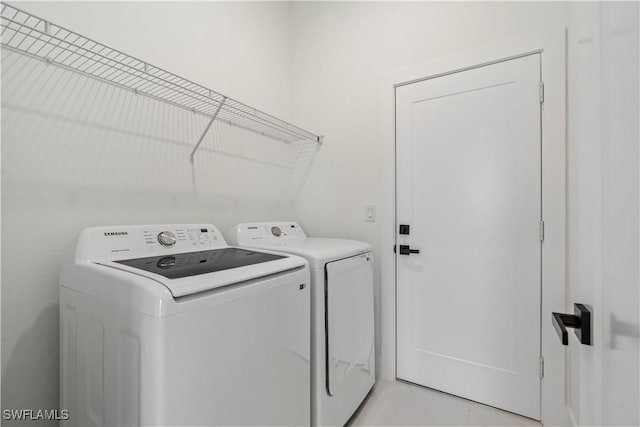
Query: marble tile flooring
(395, 403)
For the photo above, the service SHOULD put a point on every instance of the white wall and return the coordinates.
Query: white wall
(77, 153)
(340, 51)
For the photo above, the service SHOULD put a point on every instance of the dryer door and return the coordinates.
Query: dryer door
(349, 322)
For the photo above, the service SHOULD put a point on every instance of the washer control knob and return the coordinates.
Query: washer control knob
(167, 238)
(276, 231)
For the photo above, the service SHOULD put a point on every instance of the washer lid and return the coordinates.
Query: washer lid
(190, 272)
(318, 251)
(177, 266)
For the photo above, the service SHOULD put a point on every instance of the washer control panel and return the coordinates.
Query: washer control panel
(182, 236)
(266, 233)
(122, 242)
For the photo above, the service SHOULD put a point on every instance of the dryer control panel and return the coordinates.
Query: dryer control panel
(123, 242)
(264, 233)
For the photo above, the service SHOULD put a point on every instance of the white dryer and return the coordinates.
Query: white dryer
(342, 325)
(167, 325)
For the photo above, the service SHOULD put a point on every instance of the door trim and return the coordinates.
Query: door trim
(551, 44)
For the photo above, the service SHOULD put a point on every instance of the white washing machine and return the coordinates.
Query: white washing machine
(167, 325)
(342, 325)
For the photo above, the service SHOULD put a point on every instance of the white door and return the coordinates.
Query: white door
(468, 166)
(603, 236)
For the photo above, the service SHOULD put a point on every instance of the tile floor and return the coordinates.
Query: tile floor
(394, 403)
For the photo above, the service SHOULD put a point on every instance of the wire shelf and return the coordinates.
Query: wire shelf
(30, 35)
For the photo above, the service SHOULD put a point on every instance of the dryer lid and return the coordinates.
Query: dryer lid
(290, 238)
(319, 251)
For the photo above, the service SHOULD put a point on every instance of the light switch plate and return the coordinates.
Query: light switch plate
(370, 213)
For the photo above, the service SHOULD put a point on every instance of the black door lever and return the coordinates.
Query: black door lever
(580, 321)
(406, 250)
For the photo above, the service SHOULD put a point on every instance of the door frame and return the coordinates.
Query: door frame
(551, 44)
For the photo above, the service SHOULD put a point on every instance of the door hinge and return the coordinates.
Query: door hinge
(541, 92)
(542, 231)
(541, 367)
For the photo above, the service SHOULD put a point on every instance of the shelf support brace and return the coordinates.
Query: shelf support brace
(206, 130)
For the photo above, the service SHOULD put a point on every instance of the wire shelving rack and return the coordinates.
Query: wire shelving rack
(38, 38)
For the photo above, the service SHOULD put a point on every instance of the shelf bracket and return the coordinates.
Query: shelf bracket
(206, 130)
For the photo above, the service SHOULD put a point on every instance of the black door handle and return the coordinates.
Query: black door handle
(580, 321)
(406, 250)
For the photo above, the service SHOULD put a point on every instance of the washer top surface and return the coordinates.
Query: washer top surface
(290, 238)
(185, 258)
(186, 264)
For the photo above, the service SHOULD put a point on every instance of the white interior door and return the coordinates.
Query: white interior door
(603, 387)
(468, 161)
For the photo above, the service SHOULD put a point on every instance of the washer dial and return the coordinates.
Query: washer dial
(167, 238)
(276, 231)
